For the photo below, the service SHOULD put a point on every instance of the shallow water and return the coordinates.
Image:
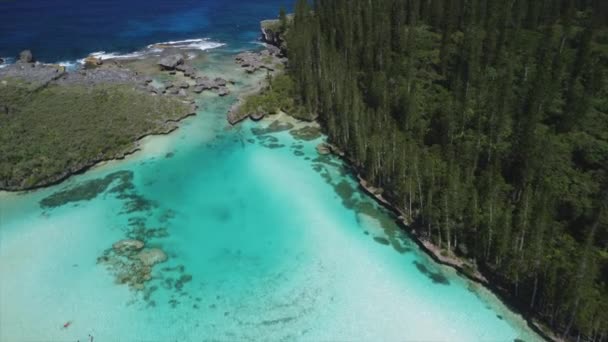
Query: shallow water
(266, 241)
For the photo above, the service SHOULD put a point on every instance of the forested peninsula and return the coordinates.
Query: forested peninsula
(485, 123)
(55, 123)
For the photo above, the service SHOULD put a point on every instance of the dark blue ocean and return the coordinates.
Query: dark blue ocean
(60, 30)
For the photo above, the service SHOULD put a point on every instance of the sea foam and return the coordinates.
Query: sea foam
(7, 61)
(202, 44)
(188, 44)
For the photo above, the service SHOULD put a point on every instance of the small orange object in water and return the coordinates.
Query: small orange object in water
(67, 324)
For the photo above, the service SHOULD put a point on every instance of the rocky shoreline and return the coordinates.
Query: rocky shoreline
(270, 59)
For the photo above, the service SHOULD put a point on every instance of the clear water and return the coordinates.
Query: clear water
(271, 242)
(279, 244)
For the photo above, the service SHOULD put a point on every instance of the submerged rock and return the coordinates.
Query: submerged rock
(128, 245)
(152, 256)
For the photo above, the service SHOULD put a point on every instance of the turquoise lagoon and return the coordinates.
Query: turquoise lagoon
(266, 241)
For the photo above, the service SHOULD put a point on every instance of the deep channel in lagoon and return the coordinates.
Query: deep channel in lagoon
(265, 239)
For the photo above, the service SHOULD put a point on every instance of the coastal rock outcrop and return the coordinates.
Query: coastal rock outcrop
(171, 62)
(92, 62)
(270, 31)
(323, 149)
(218, 84)
(257, 116)
(187, 70)
(223, 91)
(253, 61)
(38, 75)
(26, 56)
(273, 32)
(234, 115)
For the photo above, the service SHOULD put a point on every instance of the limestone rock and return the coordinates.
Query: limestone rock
(257, 116)
(223, 91)
(220, 82)
(171, 62)
(92, 62)
(26, 56)
(323, 149)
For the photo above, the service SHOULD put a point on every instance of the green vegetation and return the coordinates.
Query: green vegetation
(486, 122)
(277, 96)
(48, 133)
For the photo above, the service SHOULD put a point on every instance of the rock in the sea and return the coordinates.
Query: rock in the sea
(184, 85)
(189, 71)
(323, 149)
(26, 56)
(171, 62)
(152, 256)
(128, 245)
(223, 91)
(205, 83)
(220, 82)
(1, 61)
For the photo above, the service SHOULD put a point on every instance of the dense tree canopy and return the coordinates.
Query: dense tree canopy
(486, 121)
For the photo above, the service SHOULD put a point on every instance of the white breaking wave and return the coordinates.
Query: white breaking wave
(69, 65)
(156, 48)
(7, 61)
(152, 49)
(194, 44)
(113, 55)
